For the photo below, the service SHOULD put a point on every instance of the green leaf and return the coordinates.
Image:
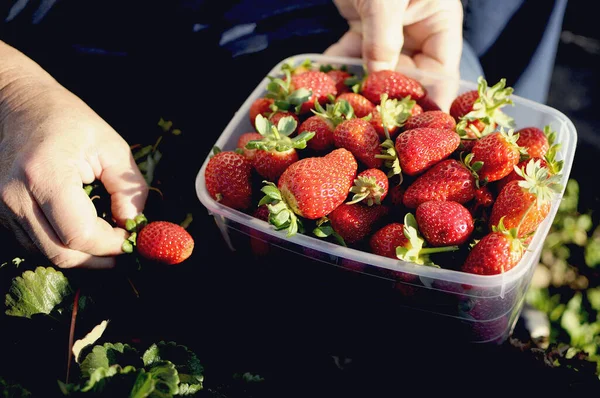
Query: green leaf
(36, 292)
(109, 354)
(12, 390)
(165, 378)
(286, 125)
(112, 381)
(89, 338)
(186, 363)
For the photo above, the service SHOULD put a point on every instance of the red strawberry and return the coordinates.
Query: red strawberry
(370, 187)
(260, 106)
(360, 138)
(428, 104)
(524, 204)
(450, 179)
(495, 253)
(354, 222)
(243, 140)
(404, 242)
(534, 140)
(165, 242)
(385, 240)
(396, 194)
(479, 112)
(419, 149)
(276, 150)
(483, 199)
(228, 179)
(391, 113)
(395, 84)
(361, 106)
(339, 77)
(259, 241)
(323, 124)
(311, 188)
(432, 119)
(499, 153)
(444, 223)
(318, 83)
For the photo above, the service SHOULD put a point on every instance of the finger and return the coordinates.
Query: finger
(349, 45)
(72, 215)
(125, 184)
(382, 32)
(43, 236)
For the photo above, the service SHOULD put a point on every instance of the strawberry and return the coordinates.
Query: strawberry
(324, 122)
(495, 253)
(318, 83)
(499, 153)
(444, 223)
(243, 140)
(260, 106)
(524, 204)
(391, 113)
(479, 112)
(259, 241)
(275, 117)
(359, 137)
(370, 187)
(165, 242)
(310, 188)
(361, 106)
(385, 240)
(419, 149)
(428, 104)
(512, 176)
(305, 66)
(395, 84)
(396, 194)
(228, 179)
(339, 77)
(276, 150)
(534, 140)
(354, 222)
(404, 242)
(449, 179)
(432, 119)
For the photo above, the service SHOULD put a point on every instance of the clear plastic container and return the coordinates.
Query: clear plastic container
(472, 308)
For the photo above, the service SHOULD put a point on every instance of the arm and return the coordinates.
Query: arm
(51, 143)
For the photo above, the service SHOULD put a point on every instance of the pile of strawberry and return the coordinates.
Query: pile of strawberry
(374, 163)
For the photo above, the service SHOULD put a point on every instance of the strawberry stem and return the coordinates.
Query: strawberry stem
(431, 250)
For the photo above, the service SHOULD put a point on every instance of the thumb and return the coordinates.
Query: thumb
(383, 38)
(125, 184)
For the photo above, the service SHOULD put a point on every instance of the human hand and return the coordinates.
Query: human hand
(426, 34)
(51, 144)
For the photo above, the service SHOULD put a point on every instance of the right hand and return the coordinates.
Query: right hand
(51, 144)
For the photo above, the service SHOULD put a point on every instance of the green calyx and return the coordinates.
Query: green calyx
(277, 138)
(394, 113)
(473, 167)
(554, 166)
(488, 109)
(388, 148)
(414, 252)
(336, 112)
(133, 226)
(281, 216)
(283, 98)
(516, 243)
(538, 181)
(324, 229)
(366, 189)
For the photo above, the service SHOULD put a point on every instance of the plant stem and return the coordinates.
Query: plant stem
(72, 332)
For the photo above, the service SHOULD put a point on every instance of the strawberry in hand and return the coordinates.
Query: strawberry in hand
(159, 241)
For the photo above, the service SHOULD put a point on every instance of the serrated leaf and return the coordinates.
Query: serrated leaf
(112, 381)
(165, 378)
(36, 292)
(89, 338)
(109, 354)
(186, 363)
